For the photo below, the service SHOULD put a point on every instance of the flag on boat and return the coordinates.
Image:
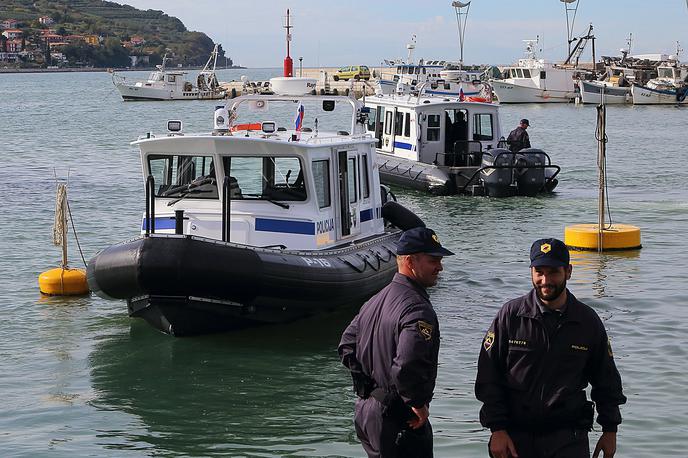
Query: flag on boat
(298, 122)
(462, 97)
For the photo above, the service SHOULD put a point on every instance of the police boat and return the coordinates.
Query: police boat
(256, 223)
(451, 145)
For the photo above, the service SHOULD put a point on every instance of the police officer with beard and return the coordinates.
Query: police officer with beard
(539, 355)
(391, 349)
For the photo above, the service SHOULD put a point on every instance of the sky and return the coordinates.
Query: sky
(347, 32)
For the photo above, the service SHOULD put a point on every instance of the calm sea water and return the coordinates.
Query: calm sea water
(80, 378)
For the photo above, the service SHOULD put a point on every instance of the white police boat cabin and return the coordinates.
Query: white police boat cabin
(449, 145)
(255, 223)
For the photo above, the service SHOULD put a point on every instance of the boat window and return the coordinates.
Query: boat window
(388, 123)
(171, 78)
(433, 129)
(398, 123)
(519, 72)
(267, 177)
(543, 75)
(372, 120)
(526, 73)
(482, 126)
(407, 125)
(665, 73)
(177, 176)
(321, 177)
(365, 185)
(351, 173)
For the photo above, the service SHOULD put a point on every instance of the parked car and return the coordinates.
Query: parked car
(357, 72)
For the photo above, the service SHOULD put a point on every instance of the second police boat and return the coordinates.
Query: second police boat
(451, 145)
(258, 221)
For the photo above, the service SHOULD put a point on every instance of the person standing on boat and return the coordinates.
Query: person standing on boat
(391, 349)
(540, 353)
(518, 138)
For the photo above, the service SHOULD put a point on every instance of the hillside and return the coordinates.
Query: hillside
(146, 33)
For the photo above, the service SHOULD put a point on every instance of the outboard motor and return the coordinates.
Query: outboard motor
(531, 179)
(497, 174)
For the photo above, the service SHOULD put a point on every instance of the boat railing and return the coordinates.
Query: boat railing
(226, 208)
(150, 205)
(519, 168)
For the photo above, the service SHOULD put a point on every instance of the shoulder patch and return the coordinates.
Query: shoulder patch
(425, 329)
(489, 340)
(609, 347)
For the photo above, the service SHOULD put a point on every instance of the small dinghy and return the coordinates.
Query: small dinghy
(248, 226)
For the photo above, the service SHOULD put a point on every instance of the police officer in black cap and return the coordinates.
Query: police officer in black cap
(539, 355)
(391, 349)
(518, 138)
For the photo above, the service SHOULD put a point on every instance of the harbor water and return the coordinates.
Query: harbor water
(81, 378)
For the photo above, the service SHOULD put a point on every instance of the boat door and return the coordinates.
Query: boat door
(347, 187)
(432, 125)
(388, 130)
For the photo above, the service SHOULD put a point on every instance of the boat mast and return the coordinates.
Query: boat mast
(288, 63)
(461, 11)
(571, 7)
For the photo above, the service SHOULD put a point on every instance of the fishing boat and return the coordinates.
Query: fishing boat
(446, 146)
(256, 221)
(669, 88)
(166, 84)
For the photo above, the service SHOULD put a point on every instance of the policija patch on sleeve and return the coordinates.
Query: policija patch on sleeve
(489, 340)
(425, 330)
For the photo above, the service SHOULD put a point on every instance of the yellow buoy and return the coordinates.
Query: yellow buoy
(63, 281)
(614, 237)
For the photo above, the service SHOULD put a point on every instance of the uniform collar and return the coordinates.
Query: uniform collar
(410, 283)
(531, 307)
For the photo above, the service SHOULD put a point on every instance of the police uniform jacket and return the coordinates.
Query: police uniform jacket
(530, 378)
(395, 341)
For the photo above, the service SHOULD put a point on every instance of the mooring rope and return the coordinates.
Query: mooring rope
(60, 227)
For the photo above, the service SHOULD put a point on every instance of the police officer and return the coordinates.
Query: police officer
(391, 349)
(536, 360)
(519, 138)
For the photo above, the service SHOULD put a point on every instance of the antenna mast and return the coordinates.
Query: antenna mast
(288, 62)
(461, 12)
(571, 6)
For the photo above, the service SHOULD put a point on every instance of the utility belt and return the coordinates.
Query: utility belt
(392, 404)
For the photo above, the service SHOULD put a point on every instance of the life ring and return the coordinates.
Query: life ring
(249, 126)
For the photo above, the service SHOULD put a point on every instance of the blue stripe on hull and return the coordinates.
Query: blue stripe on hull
(285, 226)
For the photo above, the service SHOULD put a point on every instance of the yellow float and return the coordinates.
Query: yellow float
(614, 237)
(62, 281)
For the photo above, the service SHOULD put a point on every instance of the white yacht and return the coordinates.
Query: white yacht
(246, 226)
(445, 145)
(166, 84)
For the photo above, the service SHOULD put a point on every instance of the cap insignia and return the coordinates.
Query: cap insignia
(545, 247)
(435, 238)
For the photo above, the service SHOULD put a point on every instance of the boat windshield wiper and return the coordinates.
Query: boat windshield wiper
(185, 190)
(272, 201)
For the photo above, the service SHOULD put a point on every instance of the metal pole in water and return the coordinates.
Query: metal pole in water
(601, 168)
(64, 229)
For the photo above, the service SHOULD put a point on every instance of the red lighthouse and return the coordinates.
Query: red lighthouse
(288, 63)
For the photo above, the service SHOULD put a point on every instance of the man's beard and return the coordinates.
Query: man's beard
(556, 291)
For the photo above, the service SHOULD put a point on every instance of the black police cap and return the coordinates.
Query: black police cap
(421, 240)
(525, 121)
(549, 252)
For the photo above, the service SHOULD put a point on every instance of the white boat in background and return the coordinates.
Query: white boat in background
(164, 84)
(669, 88)
(606, 92)
(532, 80)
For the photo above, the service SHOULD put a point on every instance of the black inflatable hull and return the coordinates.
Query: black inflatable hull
(185, 285)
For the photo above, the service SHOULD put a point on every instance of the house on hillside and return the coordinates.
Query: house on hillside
(14, 46)
(139, 60)
(137, 40)
(93, 40)
(12, 34)
(46, 20)
(9, 24)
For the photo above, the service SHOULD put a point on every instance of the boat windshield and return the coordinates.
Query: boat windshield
(183, 176)
(665, 72)
(272, 178)
(156, 76)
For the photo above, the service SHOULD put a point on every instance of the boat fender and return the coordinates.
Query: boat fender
(400, 216)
